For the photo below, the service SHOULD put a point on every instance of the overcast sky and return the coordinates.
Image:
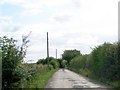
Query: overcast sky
(72, 24)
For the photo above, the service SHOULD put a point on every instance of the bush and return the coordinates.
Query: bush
(104, 59)
(79, 62)
(41, 61)
(54, 63)
(12, 56)
(103, 63)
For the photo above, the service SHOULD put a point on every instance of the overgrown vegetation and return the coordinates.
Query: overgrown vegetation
(69, 54)
(12, 57)
(102, 64)
(15, 73)
(53, 63)
(35, 76)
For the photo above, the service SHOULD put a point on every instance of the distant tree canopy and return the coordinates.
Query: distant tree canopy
(52, 63)
(44, 61)
(70, 54)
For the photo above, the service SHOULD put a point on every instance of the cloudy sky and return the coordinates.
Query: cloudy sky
(72, 24)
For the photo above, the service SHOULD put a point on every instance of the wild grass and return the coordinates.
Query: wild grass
(35, 76)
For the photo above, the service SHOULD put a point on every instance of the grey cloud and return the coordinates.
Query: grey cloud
(58, 41)
(76, 3)
(62, 40)
(63, 18)
(103, 37)
(7, 25)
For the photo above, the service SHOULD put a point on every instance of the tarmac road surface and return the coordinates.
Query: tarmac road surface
(68, 79)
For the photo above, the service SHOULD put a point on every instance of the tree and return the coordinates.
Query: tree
(70, 54)
(54, 63)
(12, 56)
(41, 61)
(45, 61)
(63, 63)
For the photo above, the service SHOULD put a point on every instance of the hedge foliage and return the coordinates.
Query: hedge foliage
(102, 62)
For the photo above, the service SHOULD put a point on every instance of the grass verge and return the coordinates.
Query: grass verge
(41, 79)
(34, 76)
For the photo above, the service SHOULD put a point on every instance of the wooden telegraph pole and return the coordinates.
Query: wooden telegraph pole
(47, 48)
(56, 53)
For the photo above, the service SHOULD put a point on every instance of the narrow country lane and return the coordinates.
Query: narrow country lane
(69, 79)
